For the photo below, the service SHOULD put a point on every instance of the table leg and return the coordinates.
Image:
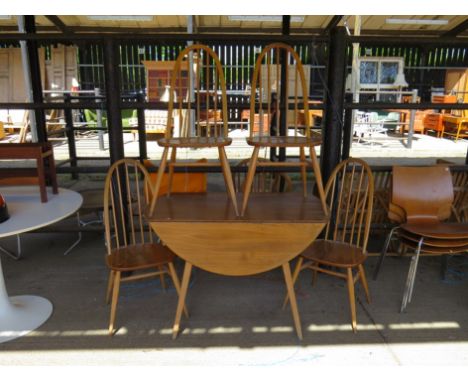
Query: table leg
(181, 303)
(20, 314)
(292, 299)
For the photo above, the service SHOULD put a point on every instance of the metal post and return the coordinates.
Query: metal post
(141, 128)
(70, 136)
(97, 93)
(331, 145)
(114, 120)
(32, 74)
(414, 98)
(347, 130)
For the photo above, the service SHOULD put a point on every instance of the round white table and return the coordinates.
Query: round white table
(21, 314)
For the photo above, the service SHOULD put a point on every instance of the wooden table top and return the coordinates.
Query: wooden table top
(216, 207)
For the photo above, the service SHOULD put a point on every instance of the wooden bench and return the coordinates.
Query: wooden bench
(44, 156)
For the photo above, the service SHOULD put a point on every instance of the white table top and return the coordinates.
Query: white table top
(27, 213)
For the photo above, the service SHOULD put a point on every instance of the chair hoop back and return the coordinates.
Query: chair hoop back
(349, 193)
(197, 94)
(266, 82)
(127, 193)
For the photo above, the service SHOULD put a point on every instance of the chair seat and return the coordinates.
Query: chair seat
(284, 141)
(334, 253)
(195, 142)
(443, 243)
(139, 256)
(438, 230)
(429, 249)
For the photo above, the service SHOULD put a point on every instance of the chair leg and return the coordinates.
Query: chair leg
(295, 275)
(115, 297)
(161, 277)
(171, 170)
(228, 178)
(303, 171)
(384, 252)
(249, 180)
(362, 276)
(352, 298)
(110, 284)
(409, 285)
(176, 282)
(157, 186)
(314, 273)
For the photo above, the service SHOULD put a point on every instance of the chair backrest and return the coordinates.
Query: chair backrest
(349, 193)
(126, 195)
(264, 180)
(266, 87)
(421, 194)
(197, 95)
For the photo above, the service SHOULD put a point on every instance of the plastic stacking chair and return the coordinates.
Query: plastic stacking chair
(282, 130)
(130, 246)
(343, 250)
(200, 111)
(421, 200)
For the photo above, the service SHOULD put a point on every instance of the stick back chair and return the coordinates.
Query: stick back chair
(349, 193)
(198, 100)
(130, 245)
(283, 129)
(421, 201)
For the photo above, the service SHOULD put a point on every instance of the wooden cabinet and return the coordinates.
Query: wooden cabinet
(158, 76)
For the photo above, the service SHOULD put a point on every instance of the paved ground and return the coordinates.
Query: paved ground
(377, 150)
(239, 321)
(234, 321)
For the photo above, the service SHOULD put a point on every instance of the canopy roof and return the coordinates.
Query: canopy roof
(317, 24)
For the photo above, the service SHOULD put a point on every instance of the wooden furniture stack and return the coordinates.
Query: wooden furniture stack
(42, 153)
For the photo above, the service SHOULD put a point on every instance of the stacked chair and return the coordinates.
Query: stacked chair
(420, 203)
(282, 129)
(196, 119)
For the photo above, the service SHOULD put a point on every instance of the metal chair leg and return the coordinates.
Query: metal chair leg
(409, 286)
(383, 253)
(14, 256)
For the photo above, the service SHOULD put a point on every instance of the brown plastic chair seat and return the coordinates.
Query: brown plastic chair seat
(429, 249)
(438, 230)
(334, 253)
(443, 243)
(139, 256)
(195, 142)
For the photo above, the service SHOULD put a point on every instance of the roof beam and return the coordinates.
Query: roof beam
(332, 24)
(59, 24)
(463, 26)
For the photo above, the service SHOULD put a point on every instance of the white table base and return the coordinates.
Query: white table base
(21, 315)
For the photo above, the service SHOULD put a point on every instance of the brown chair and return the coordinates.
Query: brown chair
(282, 130)
(190, 108)
(349, 194)
(421, 201)
(130, 246)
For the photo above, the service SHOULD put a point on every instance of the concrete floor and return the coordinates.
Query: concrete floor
(234, 320)
(239, 321)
